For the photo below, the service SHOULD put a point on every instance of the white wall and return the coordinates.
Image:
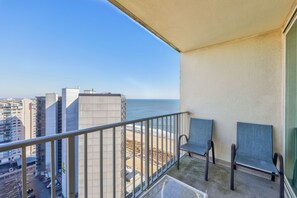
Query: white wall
(235, 81)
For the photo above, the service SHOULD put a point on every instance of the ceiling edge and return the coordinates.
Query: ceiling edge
(142, 23)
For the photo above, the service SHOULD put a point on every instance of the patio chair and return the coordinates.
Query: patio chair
(254, 151)
(199, 141)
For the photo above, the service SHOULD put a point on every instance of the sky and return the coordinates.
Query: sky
(46, 45)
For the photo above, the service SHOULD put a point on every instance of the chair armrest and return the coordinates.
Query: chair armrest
(281, 162)
(183, 136)
(180, 137)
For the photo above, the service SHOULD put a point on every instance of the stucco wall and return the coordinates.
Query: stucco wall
(235, 81)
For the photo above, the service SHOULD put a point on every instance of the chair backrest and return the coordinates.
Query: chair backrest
(200, 131)
(254, 141)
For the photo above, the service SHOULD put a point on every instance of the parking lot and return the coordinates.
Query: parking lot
(11, 184)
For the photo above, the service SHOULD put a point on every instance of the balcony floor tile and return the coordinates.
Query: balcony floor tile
(191, 172)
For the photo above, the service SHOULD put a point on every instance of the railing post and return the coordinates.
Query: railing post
(176, 137)
(133, 148)
(101, 163)
(124, 162)
(114, 162)
(24, 173)
(71, 167)
(86, 165)
(53, 170)
(147, 154)
(141, 156)
(152, 150)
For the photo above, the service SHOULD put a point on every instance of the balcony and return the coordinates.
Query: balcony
(149, 151)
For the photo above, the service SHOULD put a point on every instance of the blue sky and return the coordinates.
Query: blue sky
(48, 45)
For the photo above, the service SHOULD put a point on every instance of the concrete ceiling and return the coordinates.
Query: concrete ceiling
(191, 24)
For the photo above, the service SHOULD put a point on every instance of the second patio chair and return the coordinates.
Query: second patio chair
(199, 141)
(254, 150)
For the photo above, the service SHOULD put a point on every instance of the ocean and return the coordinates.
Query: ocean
(142, 108)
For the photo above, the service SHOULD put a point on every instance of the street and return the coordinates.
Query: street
(11, 185)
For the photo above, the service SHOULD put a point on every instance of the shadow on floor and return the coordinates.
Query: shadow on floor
(191, 172)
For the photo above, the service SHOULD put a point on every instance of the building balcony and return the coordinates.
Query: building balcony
(148, 151)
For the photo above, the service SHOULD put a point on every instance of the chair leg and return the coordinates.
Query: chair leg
(281, 187)
(281, 174)
(178, 155)
(273, 177)
(233, 165)
(178, 163)
(206, 167)
(213, 153)
(275, 162)
(232, 177)
(190, 154)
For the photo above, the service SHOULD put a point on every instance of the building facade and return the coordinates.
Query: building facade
(40, 131)
(29, 122)
(72, 111)
(53, 125)
(96, 110)
(17, 122)
(69, 123)
(11, 127)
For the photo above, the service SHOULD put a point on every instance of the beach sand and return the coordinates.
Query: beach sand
(129, 150)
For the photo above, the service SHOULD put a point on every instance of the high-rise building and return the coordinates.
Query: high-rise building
(74, 111)
(40, 131)
(29, 122)
(53, 125)
(17, 122)
(48, 122)
(69, 123)
(95, 110)
(11, 127)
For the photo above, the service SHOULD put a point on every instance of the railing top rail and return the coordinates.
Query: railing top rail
(39, 140)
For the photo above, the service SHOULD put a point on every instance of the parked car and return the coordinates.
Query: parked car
(30, 190)
(50, 184)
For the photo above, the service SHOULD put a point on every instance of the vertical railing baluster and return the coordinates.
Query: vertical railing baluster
(101, 163)
(152, 149)
(157, 137)
(24, 173)
(86, 165)
(133, 146)
(162, 134)
(170, 134)
(141, 155)
(53, 170)
(147, 153)
(173, 138)
(71, 167)
(182, 128)
(176, 136)
(124, 162)
(114, 162)
(166, 142)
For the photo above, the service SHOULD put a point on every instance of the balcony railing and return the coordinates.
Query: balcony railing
(149, 148)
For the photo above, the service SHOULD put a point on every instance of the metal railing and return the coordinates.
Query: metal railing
(148, 149)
